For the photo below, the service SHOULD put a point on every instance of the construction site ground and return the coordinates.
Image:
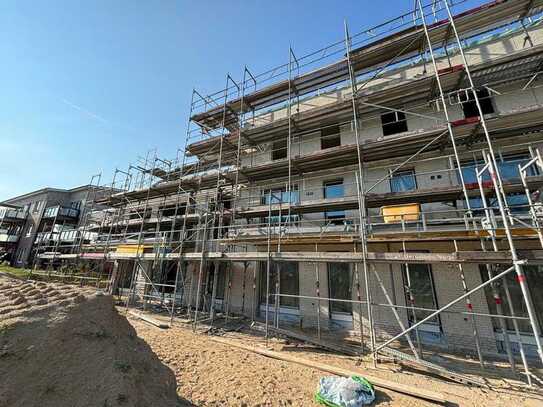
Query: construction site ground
(65, 346)
(209, 373)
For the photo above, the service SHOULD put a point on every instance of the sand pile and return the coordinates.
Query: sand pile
(66, 346)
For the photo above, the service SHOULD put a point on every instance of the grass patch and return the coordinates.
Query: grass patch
(15, 272)
(69, 276)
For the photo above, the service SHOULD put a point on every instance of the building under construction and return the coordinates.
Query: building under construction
(379, 196)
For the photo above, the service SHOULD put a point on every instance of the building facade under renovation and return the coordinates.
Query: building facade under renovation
(382, 194)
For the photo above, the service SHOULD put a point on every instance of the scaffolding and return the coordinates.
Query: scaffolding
(168, 229)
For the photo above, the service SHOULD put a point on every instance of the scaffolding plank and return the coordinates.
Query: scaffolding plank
(473, 257)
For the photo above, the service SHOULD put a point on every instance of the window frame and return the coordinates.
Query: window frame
(279, 146)
(392, 127)
(402, 173)
(337, 217)
(485, 100)
(435, 325)
(284, 307)
(220, 294)
(330, 137)
(339, 314)
(293, 198)
(272, 192)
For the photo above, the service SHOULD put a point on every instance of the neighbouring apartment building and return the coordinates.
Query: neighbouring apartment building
(353, 191)
(45, 218)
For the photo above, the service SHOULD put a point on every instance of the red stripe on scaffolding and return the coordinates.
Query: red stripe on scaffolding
(469, 120)
(475, 185)
(450, 69)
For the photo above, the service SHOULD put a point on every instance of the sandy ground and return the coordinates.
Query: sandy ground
(213, 374)
(64, 346)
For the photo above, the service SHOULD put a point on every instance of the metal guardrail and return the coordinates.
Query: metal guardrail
(8, 238)
(59, 210)
(6, 213)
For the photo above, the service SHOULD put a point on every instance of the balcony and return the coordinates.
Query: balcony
(59, 211)
(11, 214)
(65, 236)
(8, 238)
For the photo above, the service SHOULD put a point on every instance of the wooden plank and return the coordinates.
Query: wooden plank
(398, 355)
(377, 382)
(149, 320)
(309, 339)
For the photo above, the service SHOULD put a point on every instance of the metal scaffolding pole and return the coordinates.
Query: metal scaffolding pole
(291, 60)
(277, 309)
(360, 190)
(200, 273)
(359, 299)
(495, 293)
(268, 260)
(500, 194)
(492, 221)
(318, 294)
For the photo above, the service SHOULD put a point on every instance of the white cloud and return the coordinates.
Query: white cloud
(86, 112)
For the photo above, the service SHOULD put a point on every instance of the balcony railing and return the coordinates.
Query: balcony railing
(66, 236)
(8, 213)
(8, 238)
(60, 211)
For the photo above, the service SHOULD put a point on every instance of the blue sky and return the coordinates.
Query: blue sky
(89, 85)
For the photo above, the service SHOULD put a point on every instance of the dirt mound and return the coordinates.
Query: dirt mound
(66, 346)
